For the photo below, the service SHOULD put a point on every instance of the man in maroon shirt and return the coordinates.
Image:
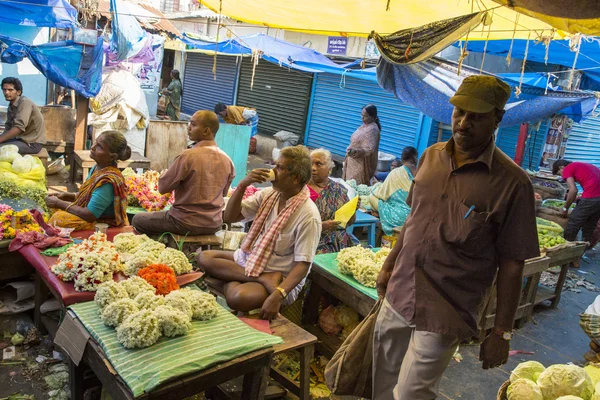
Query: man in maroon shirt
(587, 213)
(472, 219)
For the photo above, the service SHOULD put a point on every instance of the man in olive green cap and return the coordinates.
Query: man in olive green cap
(472, 219)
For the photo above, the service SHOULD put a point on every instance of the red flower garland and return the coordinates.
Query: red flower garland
(161, 277)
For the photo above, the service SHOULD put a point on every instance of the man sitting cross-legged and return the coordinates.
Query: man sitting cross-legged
(270, 268)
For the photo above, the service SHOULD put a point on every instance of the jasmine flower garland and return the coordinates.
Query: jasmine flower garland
(178, 299)
(148, 300)
(204, 305)
(176, 260)
(136, 285)
(109, 292)
(116, 312)
(138, 330)
(172, 322)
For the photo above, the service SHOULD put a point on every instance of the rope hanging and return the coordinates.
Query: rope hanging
(575, 45)
(512, 41)
(518, 89)
(256, 56)
(214, 70)
(487, 22)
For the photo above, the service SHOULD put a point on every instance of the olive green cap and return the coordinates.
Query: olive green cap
(481, 94)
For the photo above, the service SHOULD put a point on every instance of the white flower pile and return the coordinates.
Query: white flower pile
(140, 329)
(109, 292)
(204, 306)
(117, 311)
(129, 304)
(88, 263)
(362, 263)
(136, 285)
(172, 322)
(139, 251)
(148, 300)
(176, 260)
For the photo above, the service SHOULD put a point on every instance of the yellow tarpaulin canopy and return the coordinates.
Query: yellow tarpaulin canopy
(360, 17)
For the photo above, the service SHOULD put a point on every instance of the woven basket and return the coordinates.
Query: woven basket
(502, 391)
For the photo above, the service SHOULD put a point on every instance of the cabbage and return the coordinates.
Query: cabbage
(564, 379)
(524, 389)
(569, 397)
(593, 371)
(345, 316)
(9, 152)
(529, 370)
(596, 395)
(21, 165)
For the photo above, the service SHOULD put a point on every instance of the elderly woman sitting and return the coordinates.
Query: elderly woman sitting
(103, 196)
(389, 199)
(328, 196)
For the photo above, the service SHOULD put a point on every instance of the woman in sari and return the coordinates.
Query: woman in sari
(103, 196)
(363, 153)
(173, 94)
(328, 196)
(389, 199)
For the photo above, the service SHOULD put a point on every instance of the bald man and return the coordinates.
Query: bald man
(200, 177)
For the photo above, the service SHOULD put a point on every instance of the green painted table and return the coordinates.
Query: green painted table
(325, 277)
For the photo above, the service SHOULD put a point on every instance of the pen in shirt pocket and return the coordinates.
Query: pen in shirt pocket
(469, 212)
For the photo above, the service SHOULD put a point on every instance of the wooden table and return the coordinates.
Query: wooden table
(81, 158)
(322, 281)
(12, 264)
(562, 258)
(253, 366)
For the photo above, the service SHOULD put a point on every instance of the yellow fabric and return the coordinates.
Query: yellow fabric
(65, 219)
(360, 17)
(346, 212)
(36, 177)
(397, 179)
(562, 17)
(234, 115)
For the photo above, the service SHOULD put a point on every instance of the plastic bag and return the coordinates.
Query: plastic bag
(36, 176)
(248, 113)
(21, 165)
(9, 152)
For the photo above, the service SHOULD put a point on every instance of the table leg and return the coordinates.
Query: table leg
(372, 229)
(76, 380)
(86, 172)
(40, 296)
(306, 355)
(310, 314)
(73, 171)
(255, 383)
(559, 284)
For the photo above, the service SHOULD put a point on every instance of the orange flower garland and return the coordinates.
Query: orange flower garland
(161, 277)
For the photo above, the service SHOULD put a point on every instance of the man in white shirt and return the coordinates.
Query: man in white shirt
(271, 267)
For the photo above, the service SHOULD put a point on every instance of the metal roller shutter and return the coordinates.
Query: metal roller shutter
(584, 142)
(200, 90)
(336, 114)
(280, 96)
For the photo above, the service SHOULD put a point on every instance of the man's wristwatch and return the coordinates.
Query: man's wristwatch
(503, 334)
(282, 291)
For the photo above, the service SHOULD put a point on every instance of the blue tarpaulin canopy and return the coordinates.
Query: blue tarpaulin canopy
(65, 63)
(429, 85)
(40, 13)
(274, 50)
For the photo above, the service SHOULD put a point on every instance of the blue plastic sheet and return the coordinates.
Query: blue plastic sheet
(128, 37)
(40, 13)
(274, 50)
(429, 85)
(67, 64)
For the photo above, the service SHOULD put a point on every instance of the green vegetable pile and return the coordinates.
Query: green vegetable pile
(13, 193)
(549, 233)
(532, 381)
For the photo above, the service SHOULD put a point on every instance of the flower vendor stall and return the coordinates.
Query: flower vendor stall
(143, 195)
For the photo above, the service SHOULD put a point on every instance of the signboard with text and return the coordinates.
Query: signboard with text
(337, 45)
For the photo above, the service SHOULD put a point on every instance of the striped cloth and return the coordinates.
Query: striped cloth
(591, 326)
(221, 339)
(260, 250)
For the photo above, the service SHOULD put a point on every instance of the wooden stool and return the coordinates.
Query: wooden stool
(192, 243)
(81, 158)
(364, 219)
(43, 156)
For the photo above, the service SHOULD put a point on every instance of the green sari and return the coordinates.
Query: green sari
(173, 93)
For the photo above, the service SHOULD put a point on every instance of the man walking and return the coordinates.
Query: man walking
(24, 126)
(473, 216)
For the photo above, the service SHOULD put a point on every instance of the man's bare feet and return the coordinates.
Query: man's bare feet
(270, 280)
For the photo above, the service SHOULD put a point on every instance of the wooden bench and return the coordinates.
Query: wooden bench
(192, 243)
(43, 156)
(82, 159)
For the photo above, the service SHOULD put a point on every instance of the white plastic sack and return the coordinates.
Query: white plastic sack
(247, 113)
(285, 136)
(594, 308)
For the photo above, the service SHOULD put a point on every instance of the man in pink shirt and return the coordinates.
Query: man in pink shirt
(587, 213)
(200, 177)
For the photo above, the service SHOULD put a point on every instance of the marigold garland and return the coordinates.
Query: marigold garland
(143, 191)
(23, 222)
(161, 277)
